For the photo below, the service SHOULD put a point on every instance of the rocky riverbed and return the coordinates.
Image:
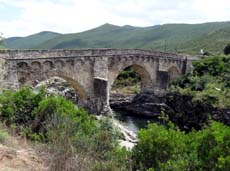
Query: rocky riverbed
(180, 109)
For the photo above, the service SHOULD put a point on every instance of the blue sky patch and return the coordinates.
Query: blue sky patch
(9, 12)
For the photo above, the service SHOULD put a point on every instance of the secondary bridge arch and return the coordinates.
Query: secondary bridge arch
(146, 81)
(91, 71)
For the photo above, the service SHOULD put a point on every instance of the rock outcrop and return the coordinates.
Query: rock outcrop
(181, 109)
(144, 104)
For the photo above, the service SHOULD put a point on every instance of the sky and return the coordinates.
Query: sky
(26, 17)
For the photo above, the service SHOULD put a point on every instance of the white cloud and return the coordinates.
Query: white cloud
(78, 15)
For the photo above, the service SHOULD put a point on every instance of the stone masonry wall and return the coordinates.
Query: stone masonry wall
(90, 71)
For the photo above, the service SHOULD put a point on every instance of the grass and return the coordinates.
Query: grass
(127, 90)
(3, 134)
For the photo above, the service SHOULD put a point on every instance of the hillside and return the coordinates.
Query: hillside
(212, 42)
(181, 38)
(29, 42)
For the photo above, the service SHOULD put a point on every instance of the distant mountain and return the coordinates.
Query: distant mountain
(29, 42)
(181, 38)
(213, 42)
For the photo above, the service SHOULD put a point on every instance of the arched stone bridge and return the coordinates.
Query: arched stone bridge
(91, 71)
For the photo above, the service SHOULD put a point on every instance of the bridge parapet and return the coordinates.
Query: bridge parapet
(60, 53)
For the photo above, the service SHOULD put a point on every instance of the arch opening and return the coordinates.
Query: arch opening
(129, 82)
(55, 82)
(63, 86)
(133, 76)
(173, 73)
(36, 65)
(22, 66)
(130, 85)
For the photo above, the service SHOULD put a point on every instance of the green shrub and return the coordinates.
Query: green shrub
(18, 107)
(3, 136)
(53, 109)
(209, 83)
(128, 77)
(215, 66)
(162, 148)
(75, 139)
(71, 131)
(156, 145)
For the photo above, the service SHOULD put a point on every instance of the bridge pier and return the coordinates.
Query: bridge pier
(101, 96)
(101, 86)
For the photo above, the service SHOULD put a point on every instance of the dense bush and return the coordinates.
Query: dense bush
(162, 148)
(227, 49)
(209, 82)
(18, 107)
(75, 139)
(215, 66)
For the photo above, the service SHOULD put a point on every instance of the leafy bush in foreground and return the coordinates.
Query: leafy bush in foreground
(75, 139)
(18, 107)
(162, 148)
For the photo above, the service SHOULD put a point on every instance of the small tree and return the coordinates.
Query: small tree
(227, 49)
(1, 40)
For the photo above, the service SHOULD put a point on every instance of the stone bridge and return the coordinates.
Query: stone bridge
(91, 72)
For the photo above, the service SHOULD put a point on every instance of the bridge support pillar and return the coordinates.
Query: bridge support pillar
(11, 80)
(101, 96)
(101, 87)
(162, 80)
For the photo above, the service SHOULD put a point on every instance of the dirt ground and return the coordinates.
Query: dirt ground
(17, 154)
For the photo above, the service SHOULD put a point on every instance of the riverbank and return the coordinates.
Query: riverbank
(180, 109)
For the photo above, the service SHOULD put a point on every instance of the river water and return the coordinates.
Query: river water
(132, 122)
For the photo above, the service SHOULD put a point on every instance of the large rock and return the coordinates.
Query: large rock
(143, 104)
(59, 86)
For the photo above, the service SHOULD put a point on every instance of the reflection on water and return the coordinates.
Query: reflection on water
(131, 122)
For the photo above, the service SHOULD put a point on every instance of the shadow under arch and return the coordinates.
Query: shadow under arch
(173, 73)
(140, 70)
(73, 83)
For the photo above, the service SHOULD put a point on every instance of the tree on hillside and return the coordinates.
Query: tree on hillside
(227, 49)
(1, 39)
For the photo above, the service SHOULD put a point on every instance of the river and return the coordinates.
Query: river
(132, 122)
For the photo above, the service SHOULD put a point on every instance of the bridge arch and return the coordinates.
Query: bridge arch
(36, 65)
(59, 64)
(141, 70)
(33, 79)
(73, 83)
(47, 65)
(22, 66)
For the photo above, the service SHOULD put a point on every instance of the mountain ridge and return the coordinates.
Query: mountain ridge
(167, 37)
